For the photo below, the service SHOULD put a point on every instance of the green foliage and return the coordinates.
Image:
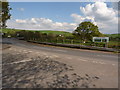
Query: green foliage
(54, 37)
(86, 30)
(4, 13)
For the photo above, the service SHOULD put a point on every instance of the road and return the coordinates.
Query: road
(99, 63)
(76, 52)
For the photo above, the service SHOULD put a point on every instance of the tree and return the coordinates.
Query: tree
(4, 13)
(86, 30)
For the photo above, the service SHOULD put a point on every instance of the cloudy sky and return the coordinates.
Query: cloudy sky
(63, 16)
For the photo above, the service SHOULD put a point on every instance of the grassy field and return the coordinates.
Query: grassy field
(7, 30)
(56, 32)
(112, 35)
(42, 31)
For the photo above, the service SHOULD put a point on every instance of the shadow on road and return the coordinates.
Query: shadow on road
(41, 72)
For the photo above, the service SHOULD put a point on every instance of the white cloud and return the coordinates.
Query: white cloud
(99, 10)
(106, 18)
(78, 19)
(20, 21)
(40, 24)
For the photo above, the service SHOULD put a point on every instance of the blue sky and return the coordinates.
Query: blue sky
(57, 11)
(65, 15)
(53, 10)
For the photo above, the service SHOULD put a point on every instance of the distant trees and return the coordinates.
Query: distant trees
(36, 35)
(4, 13)
(86, 30)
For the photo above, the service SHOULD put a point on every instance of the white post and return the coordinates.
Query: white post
(101, 39)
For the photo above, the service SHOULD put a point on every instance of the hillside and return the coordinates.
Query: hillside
(7, 30)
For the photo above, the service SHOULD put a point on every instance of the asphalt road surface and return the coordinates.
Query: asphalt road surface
(76, 52)
(103, 65)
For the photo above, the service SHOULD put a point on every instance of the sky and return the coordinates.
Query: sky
(63, 16)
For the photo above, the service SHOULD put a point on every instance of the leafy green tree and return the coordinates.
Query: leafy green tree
(86, 30)
(4, 13)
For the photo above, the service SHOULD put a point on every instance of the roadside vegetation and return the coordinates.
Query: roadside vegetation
(59, 37)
